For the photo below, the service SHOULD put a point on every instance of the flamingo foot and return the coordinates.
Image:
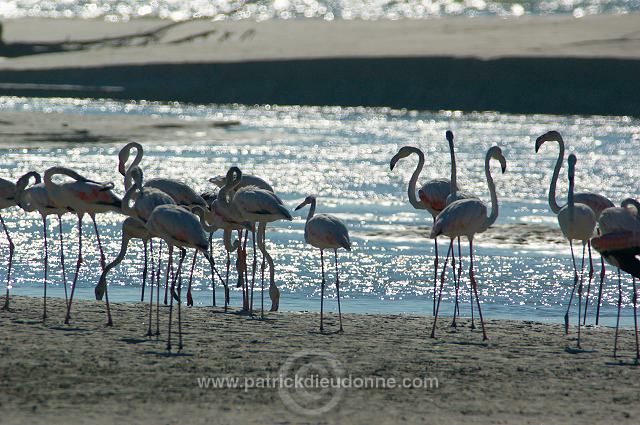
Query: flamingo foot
(566, 324)
(454, 324)
(189, 299)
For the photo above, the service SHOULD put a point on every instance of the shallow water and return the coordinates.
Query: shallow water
(116, 10)
(342, 155)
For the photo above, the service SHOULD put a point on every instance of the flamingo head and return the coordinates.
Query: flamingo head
(496, 153)
(309, 199)
(449, 136)
(404, 152)
(546, 137)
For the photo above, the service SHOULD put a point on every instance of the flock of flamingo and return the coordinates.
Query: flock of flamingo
(174, 213)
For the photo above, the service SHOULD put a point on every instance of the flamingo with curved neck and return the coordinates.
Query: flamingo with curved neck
(433, 197)
(596, 202)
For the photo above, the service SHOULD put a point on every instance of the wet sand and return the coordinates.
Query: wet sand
(527, 373)
(539, 64)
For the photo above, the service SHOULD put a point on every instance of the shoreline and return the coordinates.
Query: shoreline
(555, 64)
(526, 373)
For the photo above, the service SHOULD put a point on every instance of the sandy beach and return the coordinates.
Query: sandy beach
(86, 373)
(539, 64)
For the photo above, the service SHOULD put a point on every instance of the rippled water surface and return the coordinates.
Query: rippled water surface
(342, 155)
(114, 10)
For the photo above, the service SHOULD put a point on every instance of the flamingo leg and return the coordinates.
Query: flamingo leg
(586, 300)
(144, 272)
(435, 275)
(158, 272)
(262, 267)
(11, 249)
(183, 253)
(213, 281)
(602, 276)
(615, 341)
(102, 264)
(322, 289)
(75, 277)
(64, 273)
(472, 277)
(253, 268)
(635, 318)
(459, 272)
(193, 266)
(153, 280)
(245, 270)
(335, 252)
(46, 266)
(580, 293)
(456, 286)
(169, 264)
(226, 285)
(444, 269)
(575, 283)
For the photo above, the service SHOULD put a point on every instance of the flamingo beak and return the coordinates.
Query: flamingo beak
(121, 169)
(301, 205)
(539, 141)
(394, 160)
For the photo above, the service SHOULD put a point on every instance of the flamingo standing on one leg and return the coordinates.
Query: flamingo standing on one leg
(36, 198)
(613, 221)
(467, 217)
(247, 180)
(7, 199)
(258, 206)
(596, 202)
(83, 196)
(182, 229)
(325, 231)
(577, 221)
(433, 198)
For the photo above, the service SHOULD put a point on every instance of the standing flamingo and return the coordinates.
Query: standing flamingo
(614, 221)
(622, 249)
(178, 228)
(146, 199)
(433, 198)
(577, 221)
(258, 206)
(325, 231)
(596, 202)
(7, 199)
(83, 196)
(467, 217)
(36, 198)
(181, 193)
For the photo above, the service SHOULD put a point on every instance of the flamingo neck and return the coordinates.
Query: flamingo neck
(553, 204)
(570, 200)
(202, 215)
(494, 197)
(22, 184)
(312, 210)
(411, 192)
(454, 176)
(136, 161)
(128, 196)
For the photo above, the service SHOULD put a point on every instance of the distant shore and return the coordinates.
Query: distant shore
(87, 373)
(558, 65)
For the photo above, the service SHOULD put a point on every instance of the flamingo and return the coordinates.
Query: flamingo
(597, 203)
(455, 195)
(622, 249)
(258, 206)
(619, 220)
(181, 193)
(7, 199)
(325, 231)
(467, 217)
(577, 221)
(83, 196)
(178, 228)
(246, 180)
(433, 197)
(36, 198)
(146, 199)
